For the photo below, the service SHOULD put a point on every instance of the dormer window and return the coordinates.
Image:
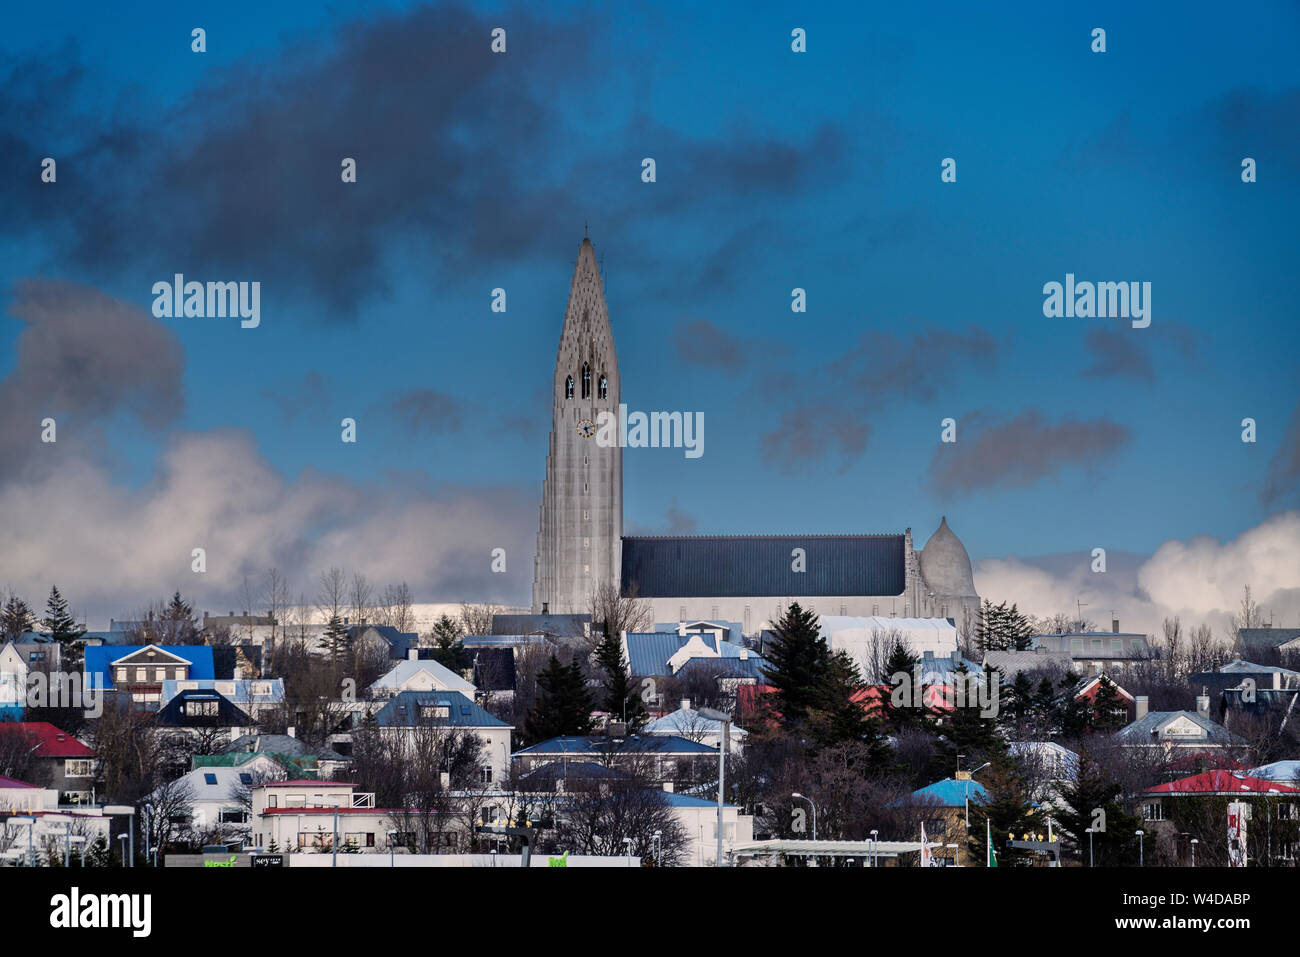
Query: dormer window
(568, 387)
(603, 390)
(586, 381)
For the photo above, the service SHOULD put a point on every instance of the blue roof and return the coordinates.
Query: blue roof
(648, 652)
(600, 744)
(686, 800)
(403, 711)
(760, 566)
(98, 658)
(950, 792)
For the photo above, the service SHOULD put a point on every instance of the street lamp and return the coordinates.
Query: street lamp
(1141, 856)
(1194, 843)
(129, 811)
(875, 848)
(392, 848)
(627, 843)
(802, 797)
(659, 848)
(1089, 830)
(714, 715)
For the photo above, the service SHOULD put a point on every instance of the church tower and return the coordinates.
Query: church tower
(579, 538)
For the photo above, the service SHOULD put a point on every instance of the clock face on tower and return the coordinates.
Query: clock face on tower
(586, 428)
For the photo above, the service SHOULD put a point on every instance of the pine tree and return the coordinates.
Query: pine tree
(798, 658)
(1091, 791)
(16, 618)
(563, 705)
(835, 717)
(621, 699)
(336, 641)
(449, 650)
(1017, 632)
(988, 627)
(901, 662)
(61, 626)
(1108, 712)
(177, 622)
(1006, 807)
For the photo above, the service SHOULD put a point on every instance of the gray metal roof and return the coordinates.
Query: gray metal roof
(761, 566)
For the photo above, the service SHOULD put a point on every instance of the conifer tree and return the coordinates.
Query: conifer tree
(1005, 806)
(15, 618)
(798, 658)
(621, 699)
(336, 641)
(1092, 791)
(449, 649)
(60, 625)
(563, 705)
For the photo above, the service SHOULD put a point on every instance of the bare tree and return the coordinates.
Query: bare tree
(477, 619)
(1249, 615)
(1171, 644)
(394, 608)
(360, 599)
(331, 596)
(599, 814)
(275, 595)
(613, 613)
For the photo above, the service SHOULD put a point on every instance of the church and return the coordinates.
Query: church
(738, 578)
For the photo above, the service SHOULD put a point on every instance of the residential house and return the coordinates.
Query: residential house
(70, 764)
(494, 673)
(868, 639)
(1088, 688)
(416, 674)
(1274, 807)
(217, 795)
(1244, 686)
(255, 697)
(383, 638)
(698, 819)
(1268, 643)
(1049, 767)
(946, 804)
(297, 816)
(688, 723)
(1011, 663)
(660, 758)
(1093, 652)
(1182, 738)
(288, 749)
(140, 670)
(565, 628)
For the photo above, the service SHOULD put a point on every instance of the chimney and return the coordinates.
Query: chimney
(546, 608)
(291, 731)
(413, 654)
(1203, 705)
(668, 786)
(1114, 626)
(1141, 711)
(686, 704)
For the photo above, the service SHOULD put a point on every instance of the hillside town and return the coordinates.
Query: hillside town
(340, 733)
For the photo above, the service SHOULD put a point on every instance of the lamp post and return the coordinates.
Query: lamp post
(1089, 830)
(803, 797)
(1194, 843)
(627, 845)
(875, 848)
(659, 848)
(129, 812)
(392, 849)
(123, 838)
(334, 844)
(715, 715)
(1141, 854)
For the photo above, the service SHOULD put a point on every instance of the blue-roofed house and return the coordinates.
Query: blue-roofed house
(411, 713)
(1283, 772)
(659, 758)
(698, 818)
(419, 674)
(658, 654)
(140, 670)
(945, 805)
(688, 723)
(397, 644)
(254, 697)
(1184, 739)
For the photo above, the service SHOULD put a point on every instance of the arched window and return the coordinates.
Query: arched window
(586, 381)
(568, 387)
(604, 387)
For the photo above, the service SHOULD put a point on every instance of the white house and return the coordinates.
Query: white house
(867, 639)
(699, 819)
(688, 723)
(415, 674)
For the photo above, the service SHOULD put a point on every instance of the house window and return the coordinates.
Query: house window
(485, 774)
(1117, 646)
(435, 711)
(273, 800)
(1076, 647)
(1154, 811)
(1137, 646)
(210, 778)
(201, 709)
(141, 674)
(77, 768)
(1096, 646)
(234, 817)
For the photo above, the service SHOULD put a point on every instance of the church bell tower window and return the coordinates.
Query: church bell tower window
(604, 387)
(568, 387)
(586, 381)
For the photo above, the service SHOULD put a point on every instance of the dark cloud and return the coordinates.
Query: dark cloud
(703, 342)
(884, 364)
(465, 153)
(809, 435)
(993, 452)
(306, 393)
(83, 358)
(425, 411)
(1117, 352)
(1282, 484)
(680, 521)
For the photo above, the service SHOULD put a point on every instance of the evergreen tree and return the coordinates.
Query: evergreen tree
(1006, 809)
(901, 662)
(563, 705)
(1089, 792)
(449, 650)
(16, 618)
(999, 628)
(1016, 629)
(835, 717)
(798, 658)
(177, 623)
(61, 626)
(621, 699)
(336, 641)
(1108, 712)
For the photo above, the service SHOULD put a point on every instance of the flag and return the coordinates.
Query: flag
(988, 839)
(927, 859)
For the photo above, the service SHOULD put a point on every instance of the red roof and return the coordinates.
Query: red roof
(48, 741)
(11, 784)
(307, 783)
(1222, 782)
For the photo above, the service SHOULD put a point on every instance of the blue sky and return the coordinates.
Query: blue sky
(819, 170)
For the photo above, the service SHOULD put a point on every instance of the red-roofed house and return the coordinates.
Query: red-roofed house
(70, 764)
(1274, 807)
